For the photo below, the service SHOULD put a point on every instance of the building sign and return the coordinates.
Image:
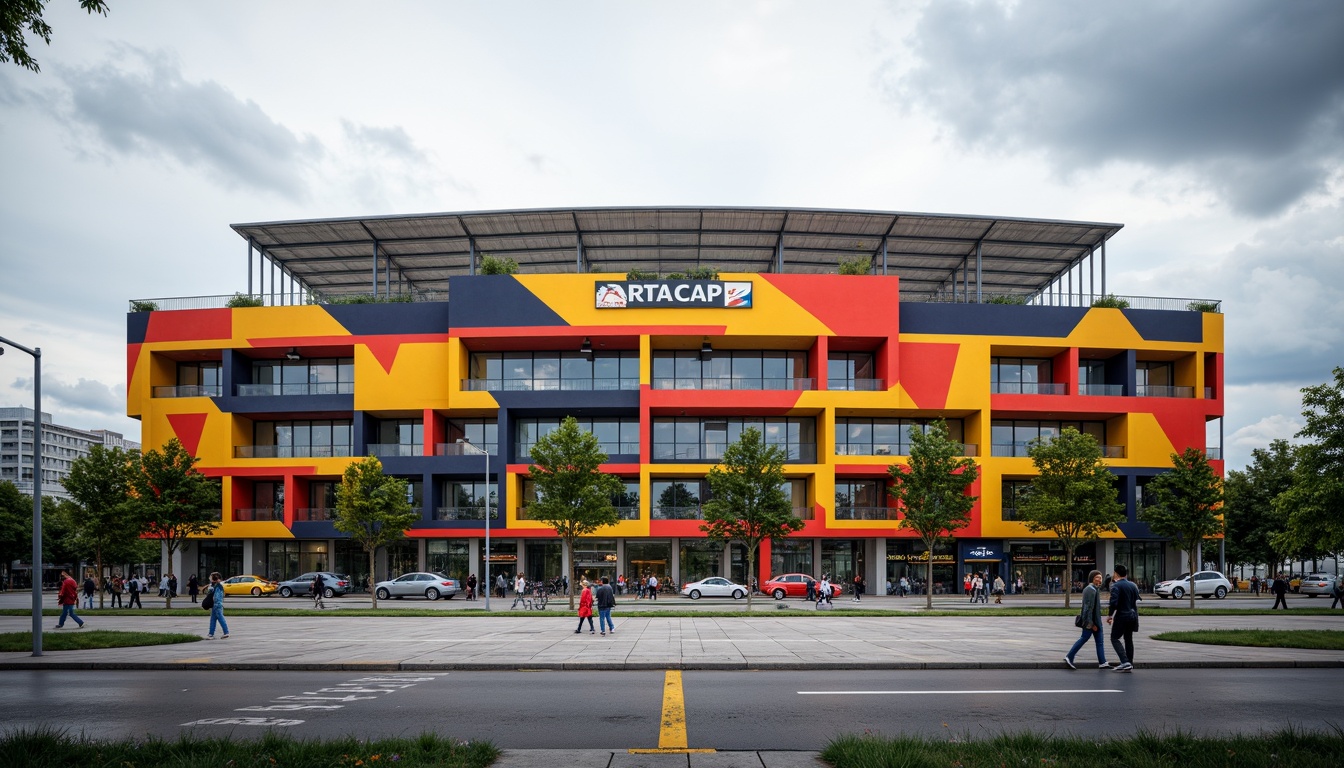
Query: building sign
(981, 551)
(631, 294)
(1051, 552)
(919, 557)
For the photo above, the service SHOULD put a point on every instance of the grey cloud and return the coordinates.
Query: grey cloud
(140, 104)
(1249, 95)
(392, 140)
(84, 395)
(384, 168)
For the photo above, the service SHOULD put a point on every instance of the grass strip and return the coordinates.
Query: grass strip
(54, 749)
(89, 639)
(671, 613)
(1288, 748)
(1315, 639)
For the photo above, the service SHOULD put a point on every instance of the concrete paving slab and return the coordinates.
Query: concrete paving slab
(628, 760)
(780, 759)
(552, 758)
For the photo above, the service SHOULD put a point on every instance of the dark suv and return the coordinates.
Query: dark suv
(333, 585)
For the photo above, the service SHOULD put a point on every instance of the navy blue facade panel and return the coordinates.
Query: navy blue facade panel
(990, 319)
(568, 403)
(496, 301)
(296, 406)
(391, 319)
(137, 325)
(1120, 372)
(316, 529)
(1167, 325)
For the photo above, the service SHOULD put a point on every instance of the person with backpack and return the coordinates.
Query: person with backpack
(214, 603)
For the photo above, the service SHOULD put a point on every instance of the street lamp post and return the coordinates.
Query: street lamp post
(37, 489)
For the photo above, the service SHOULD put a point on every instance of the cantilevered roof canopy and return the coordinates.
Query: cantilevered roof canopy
(934, 254)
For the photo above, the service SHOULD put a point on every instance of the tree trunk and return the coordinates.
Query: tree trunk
(928, 579)
(98, 558)
(1068, 575)
(373, 591)
(1194, 549)
(568, 554)
(167, 593)
(751, 570)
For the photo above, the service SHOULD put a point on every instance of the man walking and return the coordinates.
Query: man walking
(319, 588)
(89, 589)
(1089, 620)
(133, 584)
(1124, 617)
(117, 586)
(68, 598)
(606, 600)
(1280, 590)
(653, 587)
(1337, 591)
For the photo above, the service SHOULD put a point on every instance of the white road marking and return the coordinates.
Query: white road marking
(931, 693)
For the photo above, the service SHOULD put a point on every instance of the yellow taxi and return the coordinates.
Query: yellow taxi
(249, 585)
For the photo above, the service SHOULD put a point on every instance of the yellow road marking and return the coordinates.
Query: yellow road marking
(672, 731)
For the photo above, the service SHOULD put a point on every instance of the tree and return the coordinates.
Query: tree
(15, 15)
(931, 490)
(573, 493)
(492, 265)
(16, 527)
(372, 508)
(747, 502)
(1187, 506)
(1073, 495)
(96, 521)
(1314, 506)
(169, 499)
(1251, 515)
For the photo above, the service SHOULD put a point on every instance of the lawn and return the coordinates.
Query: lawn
(1316, 639)
(87, 639)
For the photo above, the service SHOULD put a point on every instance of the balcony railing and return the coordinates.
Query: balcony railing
(695, 512)
(1022, 449)
(1026, 388)
(281, 300)
(628, 449)
(1102, 390)
(461, 449)
(1213, 452)
(804, 513)
(549, 385)
(967, 449)
(258, 514)
(622, 513)
(1113, 451)
(313, 514)
(865, 513)
(290, 451)
(310, 388)
(1208, 393)
(465, 513)
(725, 384)
(189, 390)
(395, 449)
(1154, 390)
(856, 385)
(797, 453)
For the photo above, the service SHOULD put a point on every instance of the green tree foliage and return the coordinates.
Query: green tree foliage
(932, 490)
(857, 265)
(492, 265)
(169, 499)
(1111, 301)
(372, 509)
(748, 504)
(1073, 494)
(1314, 507)
(573, 493)
(18, 15)
(1251, 515)
(96, 520)
(1187, 505)
(16, 527)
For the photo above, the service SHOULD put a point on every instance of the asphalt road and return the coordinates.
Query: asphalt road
(621, 710)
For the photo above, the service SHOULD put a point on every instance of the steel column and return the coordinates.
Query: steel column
(249, 266)
(375, 273)
(471, 247)
(884, 256)
(1103, 267)
(979, 298)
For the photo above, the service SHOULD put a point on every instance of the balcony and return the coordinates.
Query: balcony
(804, 513)
(1023, 450)
(464, 513)
(622, 513)
(611, 449)
(1213, 453)
(310, 388)
(189, 390)
(313, 515)
(865, 513)
(856, 385)
(291, 451)
(1101, 390)
(967, 449)
(549, 385)
(258, 514)
(461, 449)
(695, 512)
(794, 453)
(383, 450)
(1026, 388)
(729, 384)
(1154, 390)
(1113, 451)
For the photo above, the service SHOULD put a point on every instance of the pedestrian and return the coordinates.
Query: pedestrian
(653, 587)
(905, 586)
(824, 591)
(172, 585)
(1089, 621)
(117, 586)
(606, 600)
(519, 587)
(1337, 591)
(501, 586)
(214, 597)
(471, 587)
(811, 591)
(193, 586)
(966, 584)
(1124, 617)
(585, 610)
(319, 589)
(858, 587)
(90, 588)
(68, 598)
(163, 586)
(998, 590)
(1255, 584)
(975, 588)
(1018, 584)
(133, 584)
(1280, 590)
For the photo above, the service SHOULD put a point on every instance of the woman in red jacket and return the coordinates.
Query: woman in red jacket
(586, 610)
(68, 598)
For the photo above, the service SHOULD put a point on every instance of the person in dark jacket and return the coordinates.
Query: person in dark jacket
(606, 600)
(90, 588)
(1123, 618)
(1091, 618)
(193, 586)
(1280, 590)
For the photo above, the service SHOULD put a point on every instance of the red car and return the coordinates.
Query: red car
(792, 585)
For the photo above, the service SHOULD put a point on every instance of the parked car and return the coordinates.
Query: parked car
(249, 585)
(1207, 584)
(1316, 584)
(428, 585)
(333, 585)
(792, 585)
(714, 586)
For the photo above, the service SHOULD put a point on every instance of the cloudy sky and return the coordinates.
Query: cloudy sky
(1214, 131)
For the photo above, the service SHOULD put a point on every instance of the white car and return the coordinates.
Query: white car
(1207, 584)
(428, 585)
(1317, 584)
(714, 586)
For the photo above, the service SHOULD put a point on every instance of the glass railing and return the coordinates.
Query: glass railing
(1025, 388)
(1154, 390)
(804, 513)
(1023, 449)
(1113, 451)
(461, 449)
(1213, 452)
(865, 513)
(798, 453)
(189, 390)
(856, 385)
(395, 449)
(549, 385)
(722, 384)
(1208, 393)
(1102, 390)
(290, 451)
(622, 513)
(309, 388)
(465, 513)
(628, 449)
(258, 514)
(695, 512)
(892, 449)
(313, 514)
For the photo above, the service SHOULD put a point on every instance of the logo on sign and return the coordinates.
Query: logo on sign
(738, 294)
(674, 294)
(610, 296)
(982, 552)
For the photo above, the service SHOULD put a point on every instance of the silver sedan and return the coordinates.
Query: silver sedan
(714, 586)
(430, 586)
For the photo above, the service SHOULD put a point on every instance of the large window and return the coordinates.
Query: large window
(545, 559)
(267, 503)
(289, 439)
(226, 557)
(1022, 376)
(791, 556)
(851, 371)
(1158, 379)
(480, 433)
(653, 558)
(1014, 491)
(195, 380)
(1010, 437)
(602, 371)
(467, 500)
(678, 499)
(699, 558)
(1144, 561)
(862, 500)
(884, 437)
(321, 502)
(451, 557)
(704, 439)
(328, 376)
(731, 369)
(398, 437)
(614, 435)
(626, 502)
